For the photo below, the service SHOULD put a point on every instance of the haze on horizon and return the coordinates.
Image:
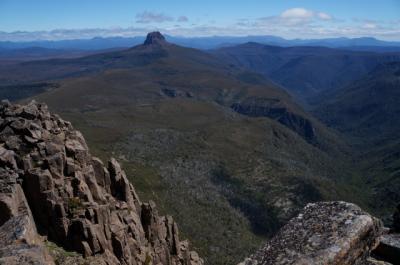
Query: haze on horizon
(24, 20)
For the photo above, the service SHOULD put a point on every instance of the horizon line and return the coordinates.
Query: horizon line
(143, 35)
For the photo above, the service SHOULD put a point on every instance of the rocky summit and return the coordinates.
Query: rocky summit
(53, 191)
(154, 38)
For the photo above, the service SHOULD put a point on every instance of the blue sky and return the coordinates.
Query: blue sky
(66, 19)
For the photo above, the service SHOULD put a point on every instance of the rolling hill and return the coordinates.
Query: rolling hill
(187, 124)
(305, 71)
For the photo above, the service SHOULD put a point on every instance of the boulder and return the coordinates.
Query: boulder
(30, 111)
(335, 233)
(7, 158)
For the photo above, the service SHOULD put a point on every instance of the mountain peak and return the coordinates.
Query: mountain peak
(154, 37)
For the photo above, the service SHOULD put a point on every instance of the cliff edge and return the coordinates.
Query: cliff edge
(52, 189)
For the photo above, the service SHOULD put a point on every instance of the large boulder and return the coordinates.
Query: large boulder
(334, 233)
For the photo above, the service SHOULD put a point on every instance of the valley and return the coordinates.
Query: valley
(366, 111)
(236, 131)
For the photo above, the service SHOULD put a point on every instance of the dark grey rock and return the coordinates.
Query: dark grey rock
(389, 248)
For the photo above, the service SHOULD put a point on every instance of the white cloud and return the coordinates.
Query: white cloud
(324, 16)
(150, 17)
(296, 17)
(297, 13)
(300, 13)
(370, 26)
(147, 17)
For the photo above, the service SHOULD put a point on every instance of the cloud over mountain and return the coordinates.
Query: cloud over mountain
(302, 13)
(150, 17)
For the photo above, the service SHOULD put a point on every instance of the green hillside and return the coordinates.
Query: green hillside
(367, 113)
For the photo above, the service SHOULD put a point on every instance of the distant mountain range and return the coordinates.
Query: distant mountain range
(98, 43)
(39, 53)
(305, 71)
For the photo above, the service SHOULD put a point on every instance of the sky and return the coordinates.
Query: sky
(25, 20)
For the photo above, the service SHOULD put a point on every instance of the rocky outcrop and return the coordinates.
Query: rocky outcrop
(52, 187)
(334, 233)
(273, 108)
(154, 38)
(173, 93)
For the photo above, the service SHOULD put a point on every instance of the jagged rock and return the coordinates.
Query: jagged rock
(7, 158)
(102, 174)
(30, 111)
(73, 199)
(20, 242)
(13, 142)
(335, 233)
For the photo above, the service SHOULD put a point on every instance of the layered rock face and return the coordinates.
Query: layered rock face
(272, 108)
(334, 233)
(51, 186)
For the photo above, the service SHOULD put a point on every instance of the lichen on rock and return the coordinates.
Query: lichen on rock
(334, 233)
